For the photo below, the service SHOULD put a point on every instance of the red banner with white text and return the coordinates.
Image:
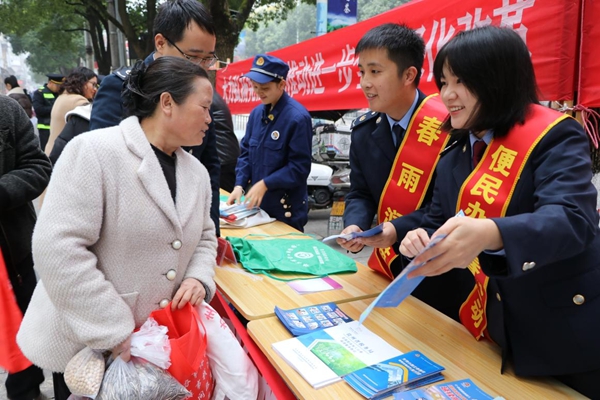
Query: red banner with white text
(589, 67)
(324, 74)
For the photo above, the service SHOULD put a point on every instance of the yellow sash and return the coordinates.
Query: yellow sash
(487, 192)
(411, 172)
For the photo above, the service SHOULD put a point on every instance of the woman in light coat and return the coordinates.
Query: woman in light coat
(78, 89)
(126, 226)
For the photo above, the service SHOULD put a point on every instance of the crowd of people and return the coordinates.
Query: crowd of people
(130, 222)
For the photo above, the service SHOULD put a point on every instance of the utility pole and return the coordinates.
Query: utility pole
(89, 49)
(113, 41)
(120, 38)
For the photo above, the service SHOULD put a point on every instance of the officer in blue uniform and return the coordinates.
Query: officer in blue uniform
(276, 149)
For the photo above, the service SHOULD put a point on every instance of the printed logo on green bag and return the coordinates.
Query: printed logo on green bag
(302, 256)
(299, 256)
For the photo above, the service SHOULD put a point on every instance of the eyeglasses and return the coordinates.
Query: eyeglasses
(203, 61)
(94, 84)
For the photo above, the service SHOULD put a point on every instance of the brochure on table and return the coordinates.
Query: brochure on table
(323, 356)
(407, 371)
(400, 287)
(464, 389)
(303, 320)
(353, 235)
(235, 212)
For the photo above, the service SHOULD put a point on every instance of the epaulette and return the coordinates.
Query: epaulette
(364, 118)
(122, 72)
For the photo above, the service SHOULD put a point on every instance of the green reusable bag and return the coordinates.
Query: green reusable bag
(272, 254)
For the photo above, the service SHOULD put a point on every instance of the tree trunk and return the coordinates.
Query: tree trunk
(225, 47)
(227, 25)
(101, 55)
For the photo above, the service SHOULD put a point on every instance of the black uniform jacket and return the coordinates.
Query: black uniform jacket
(543, 304)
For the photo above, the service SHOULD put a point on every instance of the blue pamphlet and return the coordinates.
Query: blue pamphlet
(405, 372)
(353, 235)
(400, 287)
(303, 320)
(463, 389)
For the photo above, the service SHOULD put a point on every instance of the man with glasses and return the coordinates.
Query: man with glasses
(182, 28)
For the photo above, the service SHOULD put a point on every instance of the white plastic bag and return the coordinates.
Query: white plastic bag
(145, 376)
(152, 343)
(259, 218)
(235, 375)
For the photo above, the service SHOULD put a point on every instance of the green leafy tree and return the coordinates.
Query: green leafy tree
(18, 17)
(50, 28)
(69, 18)
(272, 33)
(299, 26)
(61, 57)
(370, 8)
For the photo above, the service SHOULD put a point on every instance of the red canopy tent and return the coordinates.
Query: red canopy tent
(589, 62)
(324, 74)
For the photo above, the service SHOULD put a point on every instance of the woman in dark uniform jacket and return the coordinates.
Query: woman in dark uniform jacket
(276, 149)
(542, 252)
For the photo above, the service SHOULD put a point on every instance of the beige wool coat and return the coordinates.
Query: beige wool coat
(111, 246)
(63, 104)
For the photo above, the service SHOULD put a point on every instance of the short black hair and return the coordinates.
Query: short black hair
(404, 46)
(77, 79)
(12, 81)
(495, 65)
(174, 16)
(144, 84)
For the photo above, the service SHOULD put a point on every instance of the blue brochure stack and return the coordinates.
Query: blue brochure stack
(404, 372)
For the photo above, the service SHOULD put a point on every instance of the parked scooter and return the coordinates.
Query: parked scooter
(331, 147)
(320, 191)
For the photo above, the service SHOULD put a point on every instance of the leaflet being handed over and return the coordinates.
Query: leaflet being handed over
(400, 287)
(353, 235)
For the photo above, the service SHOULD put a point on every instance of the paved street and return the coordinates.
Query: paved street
(317, 226)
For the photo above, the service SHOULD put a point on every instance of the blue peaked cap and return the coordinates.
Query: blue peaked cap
(266, 68)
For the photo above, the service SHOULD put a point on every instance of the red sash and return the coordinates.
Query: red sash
(487, 192)
(411, 172)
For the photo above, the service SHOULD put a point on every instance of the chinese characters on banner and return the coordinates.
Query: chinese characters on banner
(324, 73)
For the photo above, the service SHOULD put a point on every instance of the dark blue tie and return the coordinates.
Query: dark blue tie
(398, 133)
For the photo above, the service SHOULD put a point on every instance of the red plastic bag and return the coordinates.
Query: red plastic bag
(11, 358)
(189, 360)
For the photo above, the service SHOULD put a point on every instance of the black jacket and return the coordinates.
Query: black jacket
(42, 104)
(228, 146)
(74, 126)
(24, 174)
